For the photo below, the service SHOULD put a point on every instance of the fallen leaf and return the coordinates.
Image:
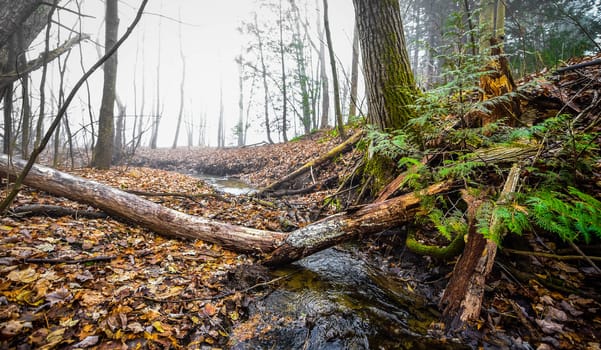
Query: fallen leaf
(88, 341)
(60, 295)
(23, 276)
(11, 328)
(549, 327)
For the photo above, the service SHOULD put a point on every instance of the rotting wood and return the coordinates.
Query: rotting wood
(493, 155)
(281, 247)
(462, 299)
(341, 148)
(318, 186)
(371, 218)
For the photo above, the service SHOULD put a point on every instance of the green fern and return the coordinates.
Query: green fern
(571, 216)
(459, 169)
(449, 225)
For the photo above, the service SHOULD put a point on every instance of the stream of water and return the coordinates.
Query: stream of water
(334, 300)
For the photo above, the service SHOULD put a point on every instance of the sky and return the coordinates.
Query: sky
(210, 42)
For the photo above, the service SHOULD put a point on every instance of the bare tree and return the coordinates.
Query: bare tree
(103, 151)
(257, 34)
(326, 22)
(352, 111)
(323, 75)
(220, 127)
(181, 88)
(283, 68)
(240, 127)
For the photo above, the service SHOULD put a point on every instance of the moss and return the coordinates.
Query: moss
(381, 170)
(443, 253)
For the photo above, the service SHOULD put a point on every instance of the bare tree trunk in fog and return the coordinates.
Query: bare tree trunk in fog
(339, 122)
(220, 127)
(25, 107)
(119, 145)
(156, 118)
(264, 76)
(181, 89)
(284, 88)
(40, 124)
(240, 128)
(352, 111)
(8, 97)
(323, 75)
(103, 152)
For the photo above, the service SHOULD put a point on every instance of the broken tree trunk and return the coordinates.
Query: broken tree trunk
(372, 218)
(462, 299)
(282, 247)
(343, 147)
(37, 63)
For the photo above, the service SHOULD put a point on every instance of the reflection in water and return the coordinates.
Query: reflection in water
(333, 300)
(227, 184)
(336, 301)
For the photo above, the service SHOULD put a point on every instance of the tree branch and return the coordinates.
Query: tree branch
(8, 78)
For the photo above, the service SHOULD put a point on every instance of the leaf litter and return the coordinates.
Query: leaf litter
(99, 283)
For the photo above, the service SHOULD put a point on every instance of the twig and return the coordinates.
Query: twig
(175, 194)
(577, 66)
(220, 296)
(68, 261)
(553, 256)
(587, 258)
(66, 9)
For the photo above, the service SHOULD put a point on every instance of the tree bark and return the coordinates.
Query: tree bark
(389, 82)
(323, 76)
(103, 152)
(12, 15)
(180, 115)
(284, 86)
(32, 65)
(337, 109)
(462, 299)
(282, 247)
(354, 75)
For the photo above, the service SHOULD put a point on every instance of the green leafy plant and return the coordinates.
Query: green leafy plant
(572, 216)
(449, 225)
(393, 145)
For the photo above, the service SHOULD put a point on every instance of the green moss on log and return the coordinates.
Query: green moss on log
(444, 253)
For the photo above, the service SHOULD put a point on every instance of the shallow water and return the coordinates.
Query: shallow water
(228, 185)
(334, 300)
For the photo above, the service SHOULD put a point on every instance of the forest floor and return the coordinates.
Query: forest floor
(78, 282)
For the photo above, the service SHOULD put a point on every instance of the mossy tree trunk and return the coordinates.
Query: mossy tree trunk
(389, 81)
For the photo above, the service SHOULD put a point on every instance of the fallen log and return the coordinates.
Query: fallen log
(371, 218)
(341, 148)
(160, 219)
(462, 299)
(318, 186)
(281, 247)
